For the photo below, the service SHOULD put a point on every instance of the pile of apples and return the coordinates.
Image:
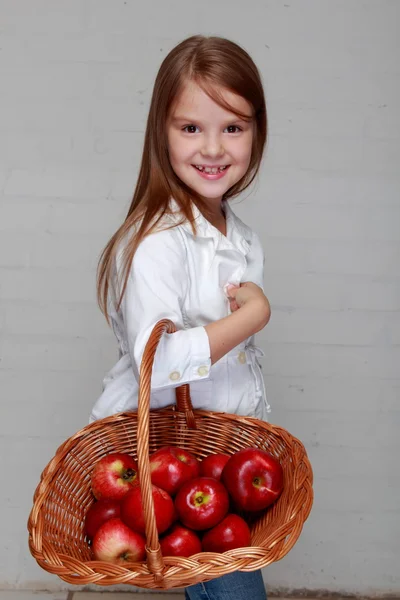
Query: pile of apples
(195, 502)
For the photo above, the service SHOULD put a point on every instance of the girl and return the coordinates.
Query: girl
(183, 254)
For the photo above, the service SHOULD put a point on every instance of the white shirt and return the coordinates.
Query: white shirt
(175, 275)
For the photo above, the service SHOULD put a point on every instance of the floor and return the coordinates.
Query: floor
(147, 595)
(23, 595)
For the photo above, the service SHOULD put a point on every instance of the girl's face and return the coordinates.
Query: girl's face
(203, 136)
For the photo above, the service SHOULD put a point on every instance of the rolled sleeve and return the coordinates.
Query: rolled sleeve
(187, 354)
(156, 290)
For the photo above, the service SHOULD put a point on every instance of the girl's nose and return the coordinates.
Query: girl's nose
(212, 146)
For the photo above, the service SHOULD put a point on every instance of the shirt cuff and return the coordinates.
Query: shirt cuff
(181, 357)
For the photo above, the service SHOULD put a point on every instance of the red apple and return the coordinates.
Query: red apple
(213, 464)
(171, 466)
(232, 532)
(113, 475)
(201, 503)
(132, 509)
(101, 511)
(115, 542)
(180, 541)
(253, 478)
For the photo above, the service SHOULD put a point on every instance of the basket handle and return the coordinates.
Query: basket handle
(155, 561)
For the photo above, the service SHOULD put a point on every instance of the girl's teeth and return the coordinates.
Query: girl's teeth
(209, 170)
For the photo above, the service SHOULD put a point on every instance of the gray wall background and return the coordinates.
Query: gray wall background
(76, 78)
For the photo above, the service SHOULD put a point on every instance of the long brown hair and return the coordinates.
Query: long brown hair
(211, 62)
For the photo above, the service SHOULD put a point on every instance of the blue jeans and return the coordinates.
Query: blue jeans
(234, 586)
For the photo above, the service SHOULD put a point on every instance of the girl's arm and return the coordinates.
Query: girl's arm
(156, 290)
(251, 314)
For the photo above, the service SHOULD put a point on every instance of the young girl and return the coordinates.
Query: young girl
(183, 254)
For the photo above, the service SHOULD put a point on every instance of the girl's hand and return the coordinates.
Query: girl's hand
(250, 314)
(246, 293)
(232, 302)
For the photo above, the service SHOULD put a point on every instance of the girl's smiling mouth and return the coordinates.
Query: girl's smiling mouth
(211, 172)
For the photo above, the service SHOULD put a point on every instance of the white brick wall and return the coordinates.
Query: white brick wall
(76, 79)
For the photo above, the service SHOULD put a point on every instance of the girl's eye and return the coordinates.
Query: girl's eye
(189, 127)
(193, 127)
(234, 127)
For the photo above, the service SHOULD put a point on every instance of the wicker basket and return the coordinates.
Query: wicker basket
(56, 536)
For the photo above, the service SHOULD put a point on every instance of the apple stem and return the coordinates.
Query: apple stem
(129, 474)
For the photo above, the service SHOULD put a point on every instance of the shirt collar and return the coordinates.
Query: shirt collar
(239, 234)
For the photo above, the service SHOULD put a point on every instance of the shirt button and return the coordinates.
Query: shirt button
(175, 376)
(242, 357)
(202, 370)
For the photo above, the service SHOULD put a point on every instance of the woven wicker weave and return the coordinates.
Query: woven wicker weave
(56, 536)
